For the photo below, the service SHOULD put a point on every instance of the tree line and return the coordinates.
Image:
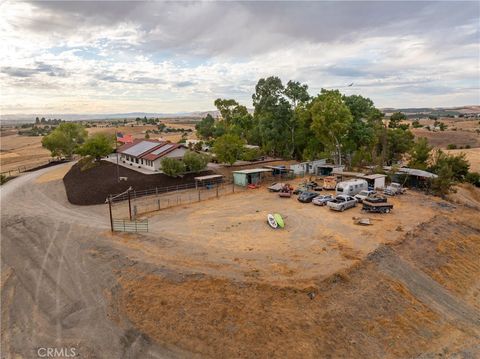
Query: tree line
(288, 122)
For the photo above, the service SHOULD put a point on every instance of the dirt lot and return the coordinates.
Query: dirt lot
(211, 279)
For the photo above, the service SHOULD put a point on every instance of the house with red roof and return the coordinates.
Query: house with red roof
(148, 154)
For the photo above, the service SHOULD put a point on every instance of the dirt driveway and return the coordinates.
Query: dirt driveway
(211, 279)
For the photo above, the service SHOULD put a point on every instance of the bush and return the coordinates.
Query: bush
(173, 167)
(3, 179)
(250, 154)
(473, 178)
(195, 162)
(468, 147)
(451, 146)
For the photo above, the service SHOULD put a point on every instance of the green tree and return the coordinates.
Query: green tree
(420, 153)
(399, 142)
(195, 162)
(65, 139)
(228, 148)
(97, 146)
(297, 93)
(173, 167)
(206, 127)
(331, 120)
(457, 163)
(473, 178)
(396, 118)
(275, 116)
(442, 184)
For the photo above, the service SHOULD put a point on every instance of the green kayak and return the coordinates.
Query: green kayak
(279, 220)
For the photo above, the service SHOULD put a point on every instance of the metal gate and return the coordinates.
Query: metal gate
(124, 225)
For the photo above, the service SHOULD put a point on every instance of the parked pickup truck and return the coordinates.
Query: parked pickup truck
(393, 189)
(342, 202)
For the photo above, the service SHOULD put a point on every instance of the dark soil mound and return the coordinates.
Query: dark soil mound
(92, 186)
(49, 164)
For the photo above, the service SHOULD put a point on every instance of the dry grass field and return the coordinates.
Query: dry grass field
(27, 151)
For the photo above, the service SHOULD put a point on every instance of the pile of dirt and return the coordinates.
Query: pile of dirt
(93, 185)
(384, 306)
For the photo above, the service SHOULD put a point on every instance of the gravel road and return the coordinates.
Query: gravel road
(55, 285)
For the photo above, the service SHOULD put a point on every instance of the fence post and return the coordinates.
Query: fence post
(110, 210)
(158, 202)
(129, 205)
(198, 195)
(216, 187)
(156, 191)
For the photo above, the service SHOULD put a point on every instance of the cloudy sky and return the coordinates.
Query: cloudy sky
(117, 56)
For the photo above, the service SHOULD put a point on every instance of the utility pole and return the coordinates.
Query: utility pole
(110, 210)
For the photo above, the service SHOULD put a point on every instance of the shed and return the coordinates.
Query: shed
(249, 176)
(327, 169)
(310, 167)
(376, 180)
(202, 181)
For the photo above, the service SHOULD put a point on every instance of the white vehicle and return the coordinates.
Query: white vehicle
(394, 189)
(363, 195)
(351, 187)
(341, 203)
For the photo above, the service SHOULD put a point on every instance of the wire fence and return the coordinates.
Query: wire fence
(142, 202)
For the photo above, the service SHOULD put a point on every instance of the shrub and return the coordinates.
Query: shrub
(250, 154)
(195, 162)
(473, 178)
(173, 167)
(451, 146)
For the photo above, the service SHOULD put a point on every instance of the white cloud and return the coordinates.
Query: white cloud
(163, 57)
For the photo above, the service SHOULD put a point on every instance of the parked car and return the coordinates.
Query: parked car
(300, 190)
(364, 194)
(307, 197)
(342, 202)
(286, 191)
(322, 200)
(393, 189)
(276, 187)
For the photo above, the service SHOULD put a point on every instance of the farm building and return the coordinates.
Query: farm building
(148, 154)
(376, 180)
(326, 169)
(412, 177)
(306, 168)
(249, 176)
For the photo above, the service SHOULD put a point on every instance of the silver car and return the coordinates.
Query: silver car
(322, 199)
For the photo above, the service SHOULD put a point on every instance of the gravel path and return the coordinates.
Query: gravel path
(57, 275)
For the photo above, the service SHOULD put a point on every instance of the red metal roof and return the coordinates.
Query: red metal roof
(149, 154)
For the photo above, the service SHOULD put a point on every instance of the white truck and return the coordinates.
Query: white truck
(351, 187)
(341, 203)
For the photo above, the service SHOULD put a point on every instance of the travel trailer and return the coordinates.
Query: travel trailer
(351, 187)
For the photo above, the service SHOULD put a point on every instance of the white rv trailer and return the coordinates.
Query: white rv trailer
(351, 187)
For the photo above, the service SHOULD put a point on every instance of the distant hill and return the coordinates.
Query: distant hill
(411, 112)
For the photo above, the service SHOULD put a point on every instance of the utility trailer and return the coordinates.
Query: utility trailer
(381, 207)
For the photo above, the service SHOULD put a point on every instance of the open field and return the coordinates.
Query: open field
(139, 131)
(19, 151)
(211, 279)
(442, 139)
